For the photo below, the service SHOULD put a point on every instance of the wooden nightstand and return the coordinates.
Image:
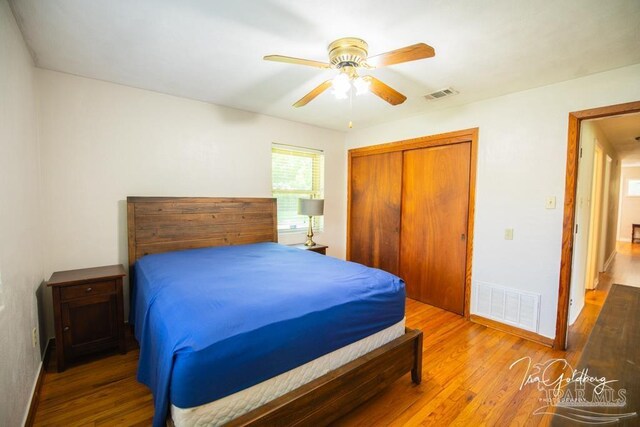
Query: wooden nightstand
(321, 249)
(88, 311)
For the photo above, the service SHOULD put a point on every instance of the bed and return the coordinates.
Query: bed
(297, 337)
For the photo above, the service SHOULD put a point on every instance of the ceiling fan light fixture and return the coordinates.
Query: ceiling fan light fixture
(347, 55)
(361, 85)
(340, 95)
(341, 86)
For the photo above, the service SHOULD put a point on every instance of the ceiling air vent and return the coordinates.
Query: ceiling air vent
(442, 93)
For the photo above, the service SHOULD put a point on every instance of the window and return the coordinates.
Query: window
(296, 173)
(633, 188)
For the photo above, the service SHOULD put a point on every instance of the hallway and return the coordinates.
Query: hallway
(625, 268)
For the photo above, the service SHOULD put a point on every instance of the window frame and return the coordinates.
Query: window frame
(317, 185)
(636, 182)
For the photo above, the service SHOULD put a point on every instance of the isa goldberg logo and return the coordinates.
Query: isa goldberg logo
(574, 394)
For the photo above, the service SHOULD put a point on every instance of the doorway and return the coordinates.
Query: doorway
(626, 265)
(570, 203)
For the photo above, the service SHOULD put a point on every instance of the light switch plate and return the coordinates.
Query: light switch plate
(508, 234)
(550, 203)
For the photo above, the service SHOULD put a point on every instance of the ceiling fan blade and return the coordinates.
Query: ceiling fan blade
(311, 95)
(384, 91)
(298, 61)
(405, 54)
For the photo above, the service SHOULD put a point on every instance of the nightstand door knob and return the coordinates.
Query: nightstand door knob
(66, 328)
(89, 289)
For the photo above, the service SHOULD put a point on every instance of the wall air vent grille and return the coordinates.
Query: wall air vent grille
(442, 93)
(507, 305)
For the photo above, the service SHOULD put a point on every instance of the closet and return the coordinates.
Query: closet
(410, 212)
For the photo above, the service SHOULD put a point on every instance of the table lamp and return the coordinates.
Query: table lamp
(310, 208)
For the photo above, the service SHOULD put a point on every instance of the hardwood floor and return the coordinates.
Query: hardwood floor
(466, 375)
(625, 268)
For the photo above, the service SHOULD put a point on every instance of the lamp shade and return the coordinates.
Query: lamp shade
(310, 207)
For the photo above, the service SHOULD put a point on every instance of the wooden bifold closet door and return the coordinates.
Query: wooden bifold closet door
(411, 213)
(435, 206)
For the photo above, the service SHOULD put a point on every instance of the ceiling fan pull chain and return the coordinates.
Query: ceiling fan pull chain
(350, 107)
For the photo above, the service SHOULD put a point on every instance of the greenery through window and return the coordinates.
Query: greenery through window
(296, 173)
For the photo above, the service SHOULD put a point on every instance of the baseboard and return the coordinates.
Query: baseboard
(610, 260)
(37, 386)
(522, 333)
(624, 239)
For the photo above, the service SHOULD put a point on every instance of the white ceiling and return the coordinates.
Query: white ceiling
(621, 131)
(212, 50)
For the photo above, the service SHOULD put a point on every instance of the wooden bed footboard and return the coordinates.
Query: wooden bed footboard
(336, 393)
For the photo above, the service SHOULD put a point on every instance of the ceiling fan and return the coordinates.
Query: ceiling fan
(349, 54)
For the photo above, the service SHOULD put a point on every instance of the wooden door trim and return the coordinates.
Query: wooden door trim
(456, 137)
(415, 143)
(571, 184)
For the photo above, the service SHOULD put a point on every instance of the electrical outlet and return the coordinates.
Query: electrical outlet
(34, 337)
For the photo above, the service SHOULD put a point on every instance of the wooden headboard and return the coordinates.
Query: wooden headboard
(163, 224)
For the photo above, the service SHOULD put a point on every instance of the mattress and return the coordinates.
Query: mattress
(226, 409)
(214, 321)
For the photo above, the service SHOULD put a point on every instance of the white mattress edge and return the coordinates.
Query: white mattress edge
(223, 410)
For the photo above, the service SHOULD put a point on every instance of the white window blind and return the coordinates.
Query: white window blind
(296, 173)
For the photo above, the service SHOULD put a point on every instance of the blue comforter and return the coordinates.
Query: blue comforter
(214, 321)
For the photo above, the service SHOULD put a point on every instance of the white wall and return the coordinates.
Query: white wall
(521, 161)
(613, 195)
(102, 142)
(20, 225)
(629, 206)
(589, 133)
